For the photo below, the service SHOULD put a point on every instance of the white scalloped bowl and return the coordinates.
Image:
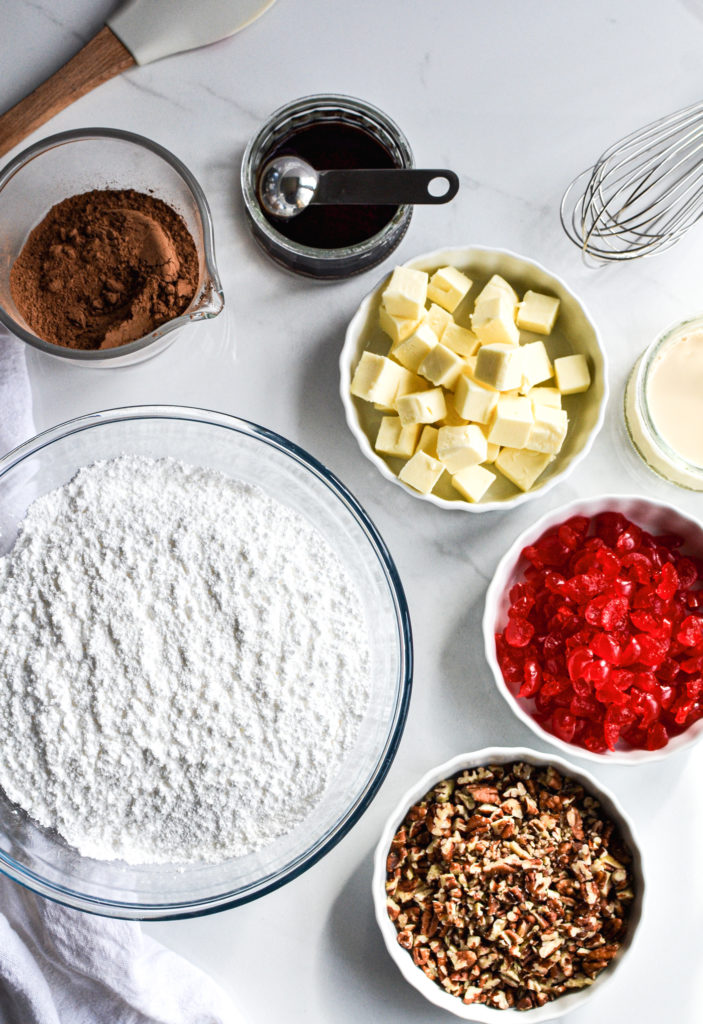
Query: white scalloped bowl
(435, 993)
(654, 516)
(574, 332)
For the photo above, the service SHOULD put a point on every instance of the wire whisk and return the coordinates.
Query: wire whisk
(643, 193)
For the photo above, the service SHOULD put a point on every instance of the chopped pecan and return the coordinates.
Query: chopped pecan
(477, 823)
(421, 955)
(574, 819)
(392, 861)
(484, 794)
(504, 827)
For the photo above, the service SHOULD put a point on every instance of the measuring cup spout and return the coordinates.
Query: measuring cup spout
(210, 302)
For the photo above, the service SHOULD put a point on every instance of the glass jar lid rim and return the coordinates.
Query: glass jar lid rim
(255, 150)
(667, 338)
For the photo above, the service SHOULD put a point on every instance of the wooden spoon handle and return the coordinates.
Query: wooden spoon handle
(100, 59)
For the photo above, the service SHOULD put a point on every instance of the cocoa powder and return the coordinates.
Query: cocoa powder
(104, 268)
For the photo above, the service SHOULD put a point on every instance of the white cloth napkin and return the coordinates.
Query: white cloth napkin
(16, 423)
(60, 966)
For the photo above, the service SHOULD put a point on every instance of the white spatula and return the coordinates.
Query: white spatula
(139, 32)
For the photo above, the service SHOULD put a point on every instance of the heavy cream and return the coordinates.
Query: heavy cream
(664, 405)
(675, 396)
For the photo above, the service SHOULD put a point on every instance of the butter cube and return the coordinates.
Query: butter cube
(460, 340)
(461, 447)
(412, 350)
(511, 422)
(409, 382)
(376, 379)
(535, 365)
(489, 306)
(472, 483)
(470, 365)
(421, 407)
(442, 366)
(493, 320)
(428, 441)
(499, 366)
(421, 472)
(451, 418)
(537, 312)
(495, 286)
(546, 396)
(438, 319)
(447, 287)
(548, 430)
(474, 401)
(492, 450)
(397, 328)
(395, 439)
(406, 293)
(572, 374)
(522, 467)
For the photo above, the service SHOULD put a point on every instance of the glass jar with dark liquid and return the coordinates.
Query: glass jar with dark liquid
(329, 132)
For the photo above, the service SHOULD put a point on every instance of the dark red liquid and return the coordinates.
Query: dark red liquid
(332, 145)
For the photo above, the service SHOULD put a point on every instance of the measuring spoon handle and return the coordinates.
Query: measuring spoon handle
(384, 187)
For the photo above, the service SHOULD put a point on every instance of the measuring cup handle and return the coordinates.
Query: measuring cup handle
(385, 187)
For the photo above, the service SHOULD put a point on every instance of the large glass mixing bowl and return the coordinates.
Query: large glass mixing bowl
(39, 858)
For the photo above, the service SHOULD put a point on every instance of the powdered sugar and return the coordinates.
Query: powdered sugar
(183, 663)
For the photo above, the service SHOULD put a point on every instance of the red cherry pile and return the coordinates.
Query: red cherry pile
(605, 634)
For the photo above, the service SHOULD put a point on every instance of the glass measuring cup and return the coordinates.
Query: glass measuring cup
(103, 158)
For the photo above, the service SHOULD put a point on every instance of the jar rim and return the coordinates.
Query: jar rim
(666, 338)
(264, 137)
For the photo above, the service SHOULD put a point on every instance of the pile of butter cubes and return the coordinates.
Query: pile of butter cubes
(460, 400)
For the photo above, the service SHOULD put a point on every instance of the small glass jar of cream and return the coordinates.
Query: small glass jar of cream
(664, 405)
(328, 131)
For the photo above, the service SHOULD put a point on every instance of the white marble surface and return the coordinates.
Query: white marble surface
(517, 98)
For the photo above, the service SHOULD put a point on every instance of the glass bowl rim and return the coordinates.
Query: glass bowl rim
(227, 900)
(90, 134)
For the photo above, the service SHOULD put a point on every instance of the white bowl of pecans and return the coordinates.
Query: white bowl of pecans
(473, 378)
(508, 882)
